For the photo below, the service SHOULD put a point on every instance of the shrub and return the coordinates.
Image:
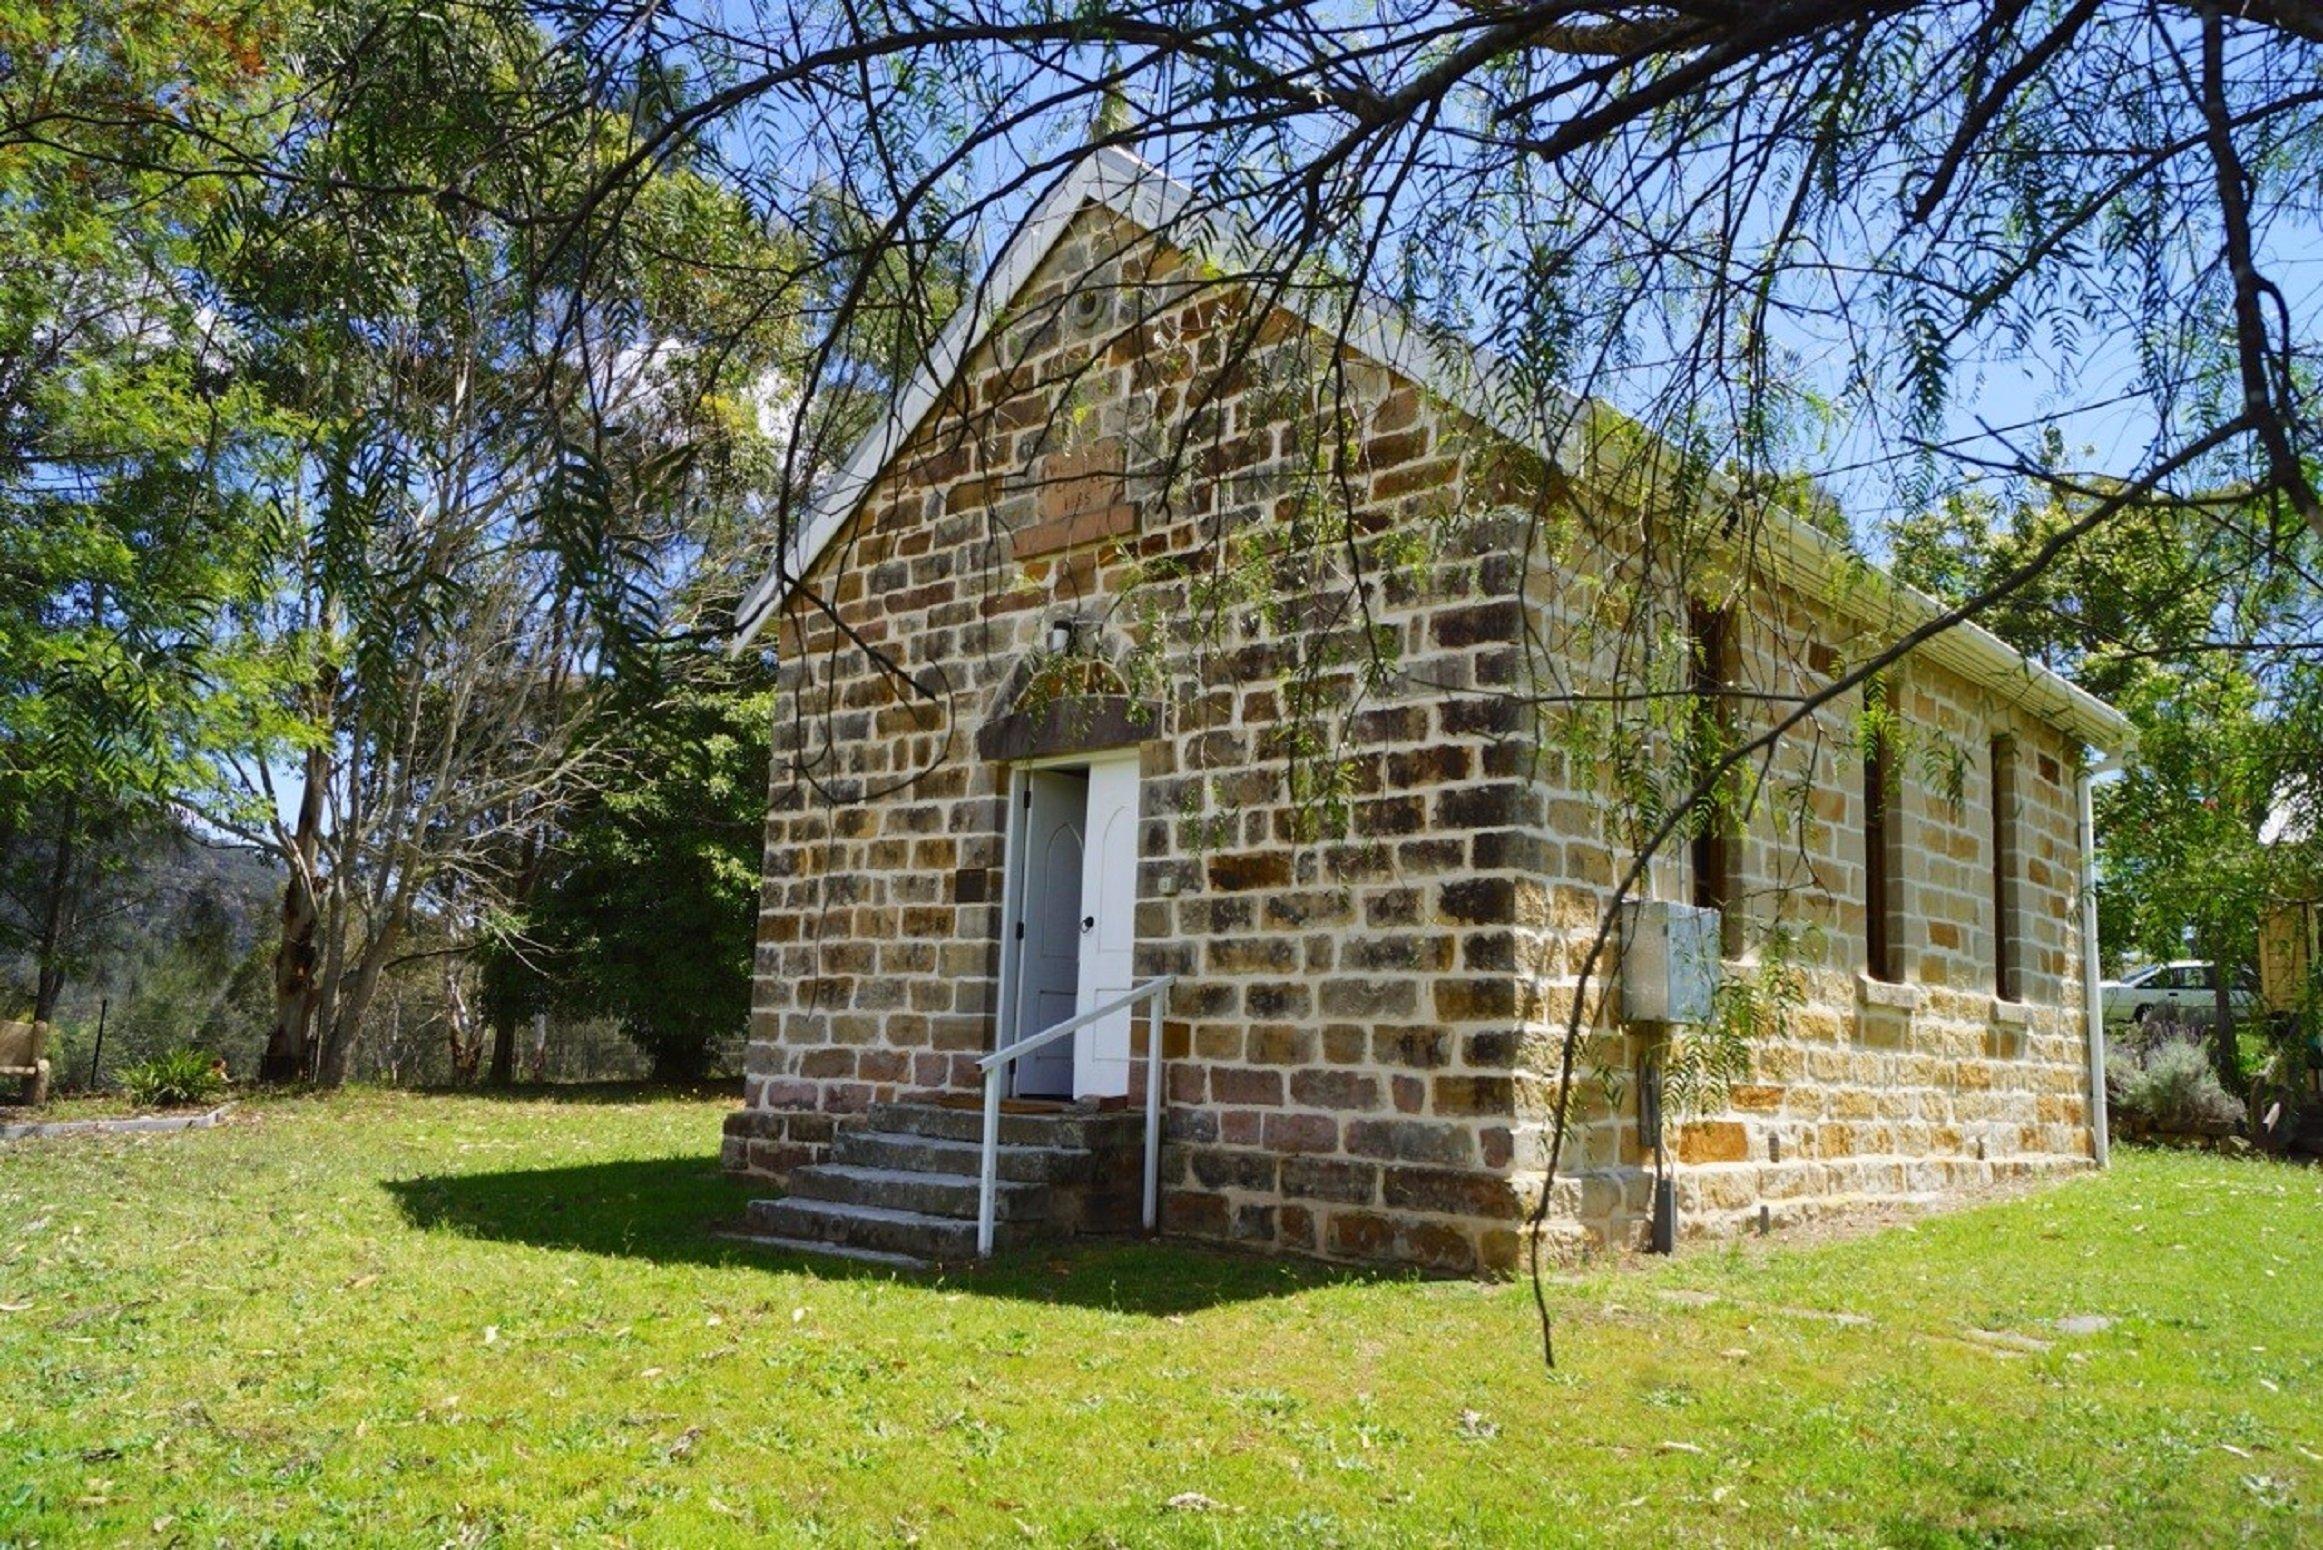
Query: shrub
(183, 1076)
(2170, 1086)
(2280, 1091)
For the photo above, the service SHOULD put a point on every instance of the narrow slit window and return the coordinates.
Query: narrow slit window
(1711, 634)
(1878, 917)
(2007, 951)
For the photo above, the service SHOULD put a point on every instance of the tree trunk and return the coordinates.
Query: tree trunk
(335, 1055)
(2222, 1040)
(395, 1043)
(56, 913)
(295, 958)
(462, 1048)
(503, 1051)
(351, 994)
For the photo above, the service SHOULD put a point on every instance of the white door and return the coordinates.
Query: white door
(1048, 967)
(1108, 925)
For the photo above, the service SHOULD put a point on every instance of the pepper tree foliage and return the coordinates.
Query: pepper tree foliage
(2199, 622)
(132, 436)
(1786, 240)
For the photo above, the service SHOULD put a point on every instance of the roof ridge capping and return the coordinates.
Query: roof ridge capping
(1467, 376)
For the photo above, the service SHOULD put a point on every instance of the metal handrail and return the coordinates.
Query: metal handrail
(994, 1064)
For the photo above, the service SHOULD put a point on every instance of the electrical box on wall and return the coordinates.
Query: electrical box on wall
(1669, 962)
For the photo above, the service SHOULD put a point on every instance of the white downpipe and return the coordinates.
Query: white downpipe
(2092, 998)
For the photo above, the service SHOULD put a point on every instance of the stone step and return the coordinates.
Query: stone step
(857, 1147)
(1070, 1129)
(762, 1240)
(902, 1189)
(880, 1228)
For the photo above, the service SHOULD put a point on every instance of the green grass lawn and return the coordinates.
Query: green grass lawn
(406, 1320)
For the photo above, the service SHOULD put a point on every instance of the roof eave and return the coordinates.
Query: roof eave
(1824, 566)
(1154, 201)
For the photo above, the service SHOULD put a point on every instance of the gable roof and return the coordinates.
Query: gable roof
(1464, 377)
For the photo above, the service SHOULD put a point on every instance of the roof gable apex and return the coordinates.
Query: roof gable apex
(1572, 434)
(1107, 178)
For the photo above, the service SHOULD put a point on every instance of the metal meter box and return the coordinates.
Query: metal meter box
(1669, 962)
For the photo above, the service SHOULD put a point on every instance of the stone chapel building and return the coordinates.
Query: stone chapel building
(1045, 733)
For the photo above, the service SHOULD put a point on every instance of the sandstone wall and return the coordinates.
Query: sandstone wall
(1341, 1050)
(1858, 1090)
(1377, 958)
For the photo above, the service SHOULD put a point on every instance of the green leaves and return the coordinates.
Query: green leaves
(2185, 615)
(648, 909)
(129, 529)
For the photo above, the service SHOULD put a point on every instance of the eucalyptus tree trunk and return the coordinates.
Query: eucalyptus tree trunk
(461, 1041)
(56, 912)
(336, 1060)
(297, 955)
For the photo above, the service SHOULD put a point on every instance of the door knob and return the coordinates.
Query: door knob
(1088, 922)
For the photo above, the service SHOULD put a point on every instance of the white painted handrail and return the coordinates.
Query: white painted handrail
(995, 1067)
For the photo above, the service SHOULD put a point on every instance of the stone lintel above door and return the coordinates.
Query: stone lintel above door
(1089, 723)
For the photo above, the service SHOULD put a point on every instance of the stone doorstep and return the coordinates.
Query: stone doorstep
(884, 1229)
(857, 1147)
(904, 1181)
(932, 1194)
(1069, 1129)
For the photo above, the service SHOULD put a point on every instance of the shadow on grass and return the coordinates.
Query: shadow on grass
(669, 1210)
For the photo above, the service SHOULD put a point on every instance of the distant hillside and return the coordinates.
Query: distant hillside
(172, 943)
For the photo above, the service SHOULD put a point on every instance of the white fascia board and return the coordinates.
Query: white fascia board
(1466, 377)
(1824, 568)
